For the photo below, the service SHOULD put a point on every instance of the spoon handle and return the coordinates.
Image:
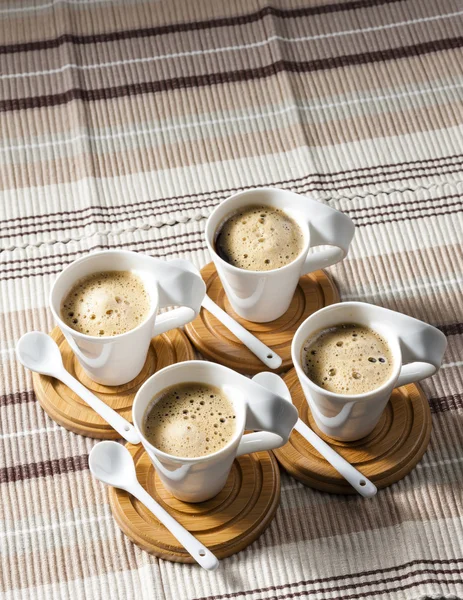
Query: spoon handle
(121, 425)
(363, 485)
(198, 551)
(259, 349)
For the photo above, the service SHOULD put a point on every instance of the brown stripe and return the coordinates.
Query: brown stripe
(452, 329)
(68, 257)
(151, 206)
(356, 220)
(275, 588)
(368, 594)
(401, 179)
(155, 247)
(133, 244)
(137, 205)
(193, 26)
(446, 403)
(72, 255)
(414, 218)
(17, 398)
(44, 468)
(393, 205)
(195, 81)
(201, 246)
(150, 211)
(385, 590)
(90, 219)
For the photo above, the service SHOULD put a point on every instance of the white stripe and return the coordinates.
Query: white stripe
(7, 351)
(436, 463)
(4, 11)
(273, 38)
(26, 432)
(248, 117)
(65, 524)
(450, 365)
(405, 288)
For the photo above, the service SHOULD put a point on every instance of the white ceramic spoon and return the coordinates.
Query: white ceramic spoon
(112, 464)
(263, 352)
(364, 486)
(38, 352)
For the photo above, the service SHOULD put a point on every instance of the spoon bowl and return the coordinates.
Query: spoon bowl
(112, 464)
(38, 352)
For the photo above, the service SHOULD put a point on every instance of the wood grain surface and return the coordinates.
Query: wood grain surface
(226, 524)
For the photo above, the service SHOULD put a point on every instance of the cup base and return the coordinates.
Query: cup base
(226, 524)
(386, 455)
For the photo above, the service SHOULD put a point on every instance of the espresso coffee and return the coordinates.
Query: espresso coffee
(347, 359)
(190, 420)
(106, 303)
(259, 238)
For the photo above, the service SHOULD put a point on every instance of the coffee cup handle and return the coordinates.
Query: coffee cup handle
(422, 347)
(327, 227)
(271, 415)
(179, 284)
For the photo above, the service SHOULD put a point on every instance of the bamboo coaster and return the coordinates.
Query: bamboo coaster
(217, 343)
(385, 456)
(68, 410)
(226, 524)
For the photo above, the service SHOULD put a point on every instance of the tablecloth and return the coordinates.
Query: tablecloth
(122, 125)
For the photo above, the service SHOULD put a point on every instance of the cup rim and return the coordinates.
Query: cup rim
(184, 459)
(365, 396)
(211, 248)
(85, 336)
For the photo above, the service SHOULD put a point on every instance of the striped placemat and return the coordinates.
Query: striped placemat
(122, 125)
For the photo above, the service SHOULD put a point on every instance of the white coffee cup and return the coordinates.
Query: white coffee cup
(263, 296)
(417, 349)
(198, 479)
(115, 360)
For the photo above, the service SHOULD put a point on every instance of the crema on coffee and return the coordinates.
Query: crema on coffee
(347, 359)
(190, 420)
(106, 303)
(259, 238)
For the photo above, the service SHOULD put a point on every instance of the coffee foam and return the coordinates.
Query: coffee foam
(347, 359)
(190, 420)
(106, 303)
(259, 238)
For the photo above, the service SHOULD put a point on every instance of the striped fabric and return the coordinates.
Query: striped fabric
(122, 125)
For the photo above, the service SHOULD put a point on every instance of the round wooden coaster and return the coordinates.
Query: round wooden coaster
(385, 456)
(68, 410)
(217, 343)
(226, 524)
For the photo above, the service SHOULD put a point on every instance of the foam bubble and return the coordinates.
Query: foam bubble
(265, 239)
(188, 428)
(116, 302)
(338, 368)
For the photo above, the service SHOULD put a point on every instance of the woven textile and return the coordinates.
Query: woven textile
(122, 125)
